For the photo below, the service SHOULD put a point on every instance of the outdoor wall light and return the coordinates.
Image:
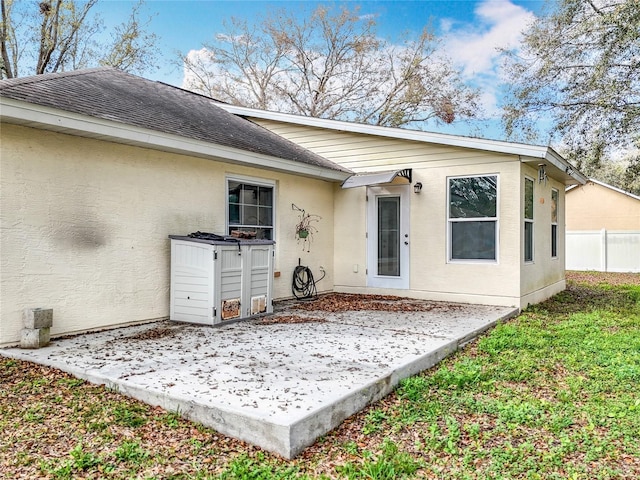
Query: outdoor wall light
(542, 173)
(417, 187)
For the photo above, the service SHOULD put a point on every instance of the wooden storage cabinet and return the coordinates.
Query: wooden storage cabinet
(213, 281)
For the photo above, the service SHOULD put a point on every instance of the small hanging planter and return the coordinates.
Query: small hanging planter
(305, 227)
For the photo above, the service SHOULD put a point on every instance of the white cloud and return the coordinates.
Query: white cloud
(200, 61)
(368, 16)
(474, 48)
(223, 37)
(500, 25)
(446, 25)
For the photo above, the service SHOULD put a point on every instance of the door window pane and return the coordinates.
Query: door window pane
(389, 236)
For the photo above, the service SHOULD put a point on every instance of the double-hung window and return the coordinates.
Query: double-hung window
(250, 207)
(473, 218)
(554, 223)
(528, 220)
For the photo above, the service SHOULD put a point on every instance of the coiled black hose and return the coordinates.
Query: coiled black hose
(303, 285)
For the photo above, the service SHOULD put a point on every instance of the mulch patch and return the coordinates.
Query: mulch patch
(154, 334)
(289, 319)
(346, 302)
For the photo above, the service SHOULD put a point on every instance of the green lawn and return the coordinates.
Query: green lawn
(553, 393)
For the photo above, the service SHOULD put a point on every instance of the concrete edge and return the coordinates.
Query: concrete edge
(285, 440)
(488, 326)
(266, 435)
(306, 431)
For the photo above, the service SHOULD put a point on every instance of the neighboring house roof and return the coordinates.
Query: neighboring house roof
(606, 185)
(128, 107)
(532, 154)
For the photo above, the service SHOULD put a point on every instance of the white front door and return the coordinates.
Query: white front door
(388, 237)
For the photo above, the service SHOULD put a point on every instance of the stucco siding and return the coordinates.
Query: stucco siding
(545, 275)
(484, 282)
(509, 281)
(594, 207)
(350, 238)
(84, 226)
(432, 276)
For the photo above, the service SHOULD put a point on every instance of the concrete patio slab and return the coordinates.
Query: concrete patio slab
(276, 385)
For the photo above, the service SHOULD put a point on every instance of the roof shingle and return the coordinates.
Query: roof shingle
(112, 94)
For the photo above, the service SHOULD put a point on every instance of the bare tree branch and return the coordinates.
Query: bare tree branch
(331, 64)
(6, 34)
(57, 35)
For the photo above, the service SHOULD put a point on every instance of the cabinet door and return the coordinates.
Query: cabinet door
(230, 266)
(191, 282)
(259, 279)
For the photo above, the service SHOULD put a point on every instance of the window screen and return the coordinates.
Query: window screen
(473, 222)
(528, 220)
(250, 208)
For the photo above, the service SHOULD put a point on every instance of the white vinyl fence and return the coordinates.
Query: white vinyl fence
(603, 250)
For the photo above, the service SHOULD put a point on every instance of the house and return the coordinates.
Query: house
(436, 216)
(99, 167)
(603, 228)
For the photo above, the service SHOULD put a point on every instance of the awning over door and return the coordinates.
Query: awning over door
(378, 178)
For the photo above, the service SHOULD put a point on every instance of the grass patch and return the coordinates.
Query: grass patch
(389, 464)
(79, 462)
(246, 468)
(551, 394)
(130, 415)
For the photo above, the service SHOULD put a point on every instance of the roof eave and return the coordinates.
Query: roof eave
(47, 118)
(557, 160)
(527, 153)
(615, 189)
(393, 132)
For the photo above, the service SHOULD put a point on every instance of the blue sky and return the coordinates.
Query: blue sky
(471, 32)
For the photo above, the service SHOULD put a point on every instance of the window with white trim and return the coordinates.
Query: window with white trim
(528, 220)
(250, 207)
(554, 222)
(473, 218)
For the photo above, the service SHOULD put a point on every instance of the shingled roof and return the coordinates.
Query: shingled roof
(111, 94)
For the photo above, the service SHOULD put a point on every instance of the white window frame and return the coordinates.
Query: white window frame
(557, 192)
(260, 182)
(530, 221)
(451, 221)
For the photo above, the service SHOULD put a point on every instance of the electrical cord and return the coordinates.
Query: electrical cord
(303, 285)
